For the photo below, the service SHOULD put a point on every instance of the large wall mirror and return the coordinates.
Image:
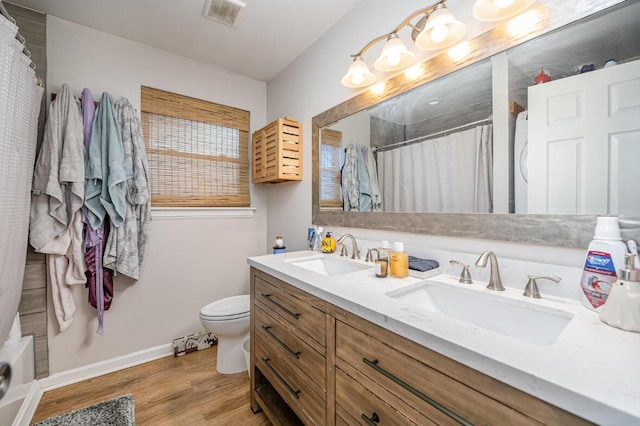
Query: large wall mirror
(505, 158)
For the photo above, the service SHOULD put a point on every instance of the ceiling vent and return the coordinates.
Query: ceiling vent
(226, 11)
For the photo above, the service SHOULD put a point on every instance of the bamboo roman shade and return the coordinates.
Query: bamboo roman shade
(330, 168)
(198, 151)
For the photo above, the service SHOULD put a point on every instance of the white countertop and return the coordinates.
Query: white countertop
(591, 370)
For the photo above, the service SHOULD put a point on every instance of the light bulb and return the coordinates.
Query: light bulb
(439, 33)
(501, 4)
(413, 72)
(460, 51)
(376, 89)
(357, 77)
(393, 57)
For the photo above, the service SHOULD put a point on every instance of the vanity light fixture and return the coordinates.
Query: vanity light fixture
(496, 10)
(395, 55)
(441, 29)
(358, 74)
(436, 28)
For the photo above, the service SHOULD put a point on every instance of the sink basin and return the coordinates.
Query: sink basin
(519, 319)
(329, 266)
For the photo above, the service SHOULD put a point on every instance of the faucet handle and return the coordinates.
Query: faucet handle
(369, 257)
(532, 290)
(465, 275)
(343, 250)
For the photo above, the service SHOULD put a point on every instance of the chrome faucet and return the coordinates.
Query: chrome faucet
(369, 257)
(355, 253)
(495, 283)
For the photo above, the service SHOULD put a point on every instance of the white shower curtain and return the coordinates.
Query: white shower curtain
(449, 174)
(20, 98)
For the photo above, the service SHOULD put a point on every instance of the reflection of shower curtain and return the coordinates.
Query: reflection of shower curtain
(448, 174)
(19, 108)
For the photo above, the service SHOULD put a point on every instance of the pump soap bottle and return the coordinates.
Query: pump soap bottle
(605, 256)
(622, 309)
(399, 261)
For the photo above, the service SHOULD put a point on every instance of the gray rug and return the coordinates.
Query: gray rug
(119, 411)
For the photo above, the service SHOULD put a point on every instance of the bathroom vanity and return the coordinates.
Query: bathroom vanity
(332, 344)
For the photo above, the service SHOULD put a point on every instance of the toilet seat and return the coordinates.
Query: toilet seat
(231, 308)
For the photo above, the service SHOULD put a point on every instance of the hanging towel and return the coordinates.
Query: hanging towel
(376, 197)
(124, 251)
(58, 179)
(350, 179)
(105, 185)
(58, 190)
(364, 185)
(99, 279)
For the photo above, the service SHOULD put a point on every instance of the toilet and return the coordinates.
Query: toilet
(228, 320)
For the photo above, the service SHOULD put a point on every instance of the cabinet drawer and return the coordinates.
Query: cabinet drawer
(426, 389)
(299, 392)
(294, 310)
(359, 405)
(290, 345)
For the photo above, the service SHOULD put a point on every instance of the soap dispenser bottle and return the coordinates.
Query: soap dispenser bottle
(328, 243)
(399, 261)
(622, 309)
(605, 256)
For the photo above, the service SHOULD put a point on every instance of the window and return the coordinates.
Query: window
(198, 151)
(332, 156)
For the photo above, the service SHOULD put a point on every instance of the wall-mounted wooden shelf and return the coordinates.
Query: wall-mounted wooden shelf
(277, 152)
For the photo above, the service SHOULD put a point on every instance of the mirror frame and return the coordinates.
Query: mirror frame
(556, 230)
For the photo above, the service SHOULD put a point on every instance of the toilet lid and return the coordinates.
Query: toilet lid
(236, 306)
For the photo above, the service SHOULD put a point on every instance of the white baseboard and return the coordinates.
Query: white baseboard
(29, 405)
(75, 375)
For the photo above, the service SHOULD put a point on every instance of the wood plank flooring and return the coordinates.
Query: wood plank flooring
(186, 390)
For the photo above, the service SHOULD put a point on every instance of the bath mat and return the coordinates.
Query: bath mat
(119, 411)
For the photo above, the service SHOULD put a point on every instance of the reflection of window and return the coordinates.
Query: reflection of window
(198, 151)
(331, 157)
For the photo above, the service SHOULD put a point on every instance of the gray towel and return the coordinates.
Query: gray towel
(58, 179)
(422, 265)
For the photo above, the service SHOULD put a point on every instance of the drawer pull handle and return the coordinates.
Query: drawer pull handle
(374, 364)
(371, 421)
(287, 311)
(267, 328)
(294, 393)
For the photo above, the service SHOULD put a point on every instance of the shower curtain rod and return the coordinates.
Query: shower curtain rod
(432, 135)
(4, 12)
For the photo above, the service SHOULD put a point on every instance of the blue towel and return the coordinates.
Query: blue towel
(422, 265)
(105, 177)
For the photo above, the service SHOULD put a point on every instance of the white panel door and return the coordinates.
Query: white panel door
(584, 143)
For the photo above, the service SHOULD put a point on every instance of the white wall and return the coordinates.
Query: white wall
(311, 85)
(356, 130)
(189, 262)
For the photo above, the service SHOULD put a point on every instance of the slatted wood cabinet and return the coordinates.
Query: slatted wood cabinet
(277, 152)
(314, 363)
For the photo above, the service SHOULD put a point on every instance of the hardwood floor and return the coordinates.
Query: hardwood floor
(186, 390)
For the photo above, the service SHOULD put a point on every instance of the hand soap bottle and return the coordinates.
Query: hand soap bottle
(399, 261)
(622, 309)
(328, 243)
(605, 256)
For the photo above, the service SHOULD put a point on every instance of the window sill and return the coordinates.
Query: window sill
(161, 213)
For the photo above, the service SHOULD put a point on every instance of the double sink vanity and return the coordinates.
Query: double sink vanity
(333, 344)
